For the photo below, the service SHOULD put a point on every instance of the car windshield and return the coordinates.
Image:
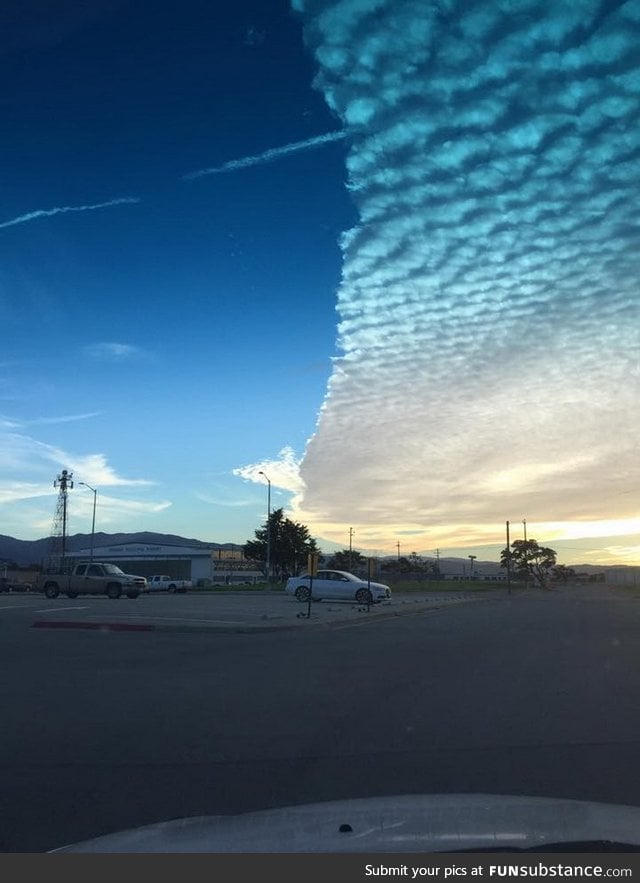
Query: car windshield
(336, 287)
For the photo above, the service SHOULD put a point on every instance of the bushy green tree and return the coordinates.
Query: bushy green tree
(347, 560)
(291, 543)
(527, 559)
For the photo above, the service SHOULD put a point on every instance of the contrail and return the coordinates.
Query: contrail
(268, 155)
(45, 213)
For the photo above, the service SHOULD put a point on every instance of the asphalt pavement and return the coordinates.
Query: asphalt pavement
(238, 612)
(531, 695)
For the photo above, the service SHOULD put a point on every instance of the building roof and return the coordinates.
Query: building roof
(148, 550)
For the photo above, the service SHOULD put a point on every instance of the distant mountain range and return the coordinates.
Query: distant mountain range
(31, 552)
(28, 552)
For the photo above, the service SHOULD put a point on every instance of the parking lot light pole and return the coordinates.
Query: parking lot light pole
(351, 533)
(268, 525)
(93, 520)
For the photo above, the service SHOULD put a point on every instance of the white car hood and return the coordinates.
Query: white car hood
(409, 823)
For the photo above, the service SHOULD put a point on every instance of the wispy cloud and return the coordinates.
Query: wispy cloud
(95, 469)
(47, 213)
(25, 454)
(282, 471)
(10, 423)
(28, 468)
(270, 155)
(17, 423)
(227, 502)
(625, 554)
(62, 418)
(113, 351)
(489, 311)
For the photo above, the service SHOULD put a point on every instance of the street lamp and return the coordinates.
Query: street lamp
(268, 525)
(526, 577)
(93, 520)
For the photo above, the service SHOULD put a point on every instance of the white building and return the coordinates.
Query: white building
(180, 562)
(624, 575)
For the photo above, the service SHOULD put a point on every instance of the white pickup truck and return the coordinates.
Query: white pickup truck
(163, 583)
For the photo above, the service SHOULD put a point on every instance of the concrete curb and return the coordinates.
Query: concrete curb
(93, 626)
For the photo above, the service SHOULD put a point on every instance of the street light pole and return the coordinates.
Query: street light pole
(93, 520)
(508, 551)
(268, 525)
(526, 578)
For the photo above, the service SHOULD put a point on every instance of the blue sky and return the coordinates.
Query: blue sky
(419, 328)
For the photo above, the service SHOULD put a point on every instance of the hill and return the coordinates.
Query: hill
(31, 552)
(25, 553)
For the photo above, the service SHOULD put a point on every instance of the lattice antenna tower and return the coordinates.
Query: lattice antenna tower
(64, 483)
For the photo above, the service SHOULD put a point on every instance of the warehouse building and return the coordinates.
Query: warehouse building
(223, 564)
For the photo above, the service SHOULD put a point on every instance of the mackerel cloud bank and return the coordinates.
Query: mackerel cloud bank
(488, 310)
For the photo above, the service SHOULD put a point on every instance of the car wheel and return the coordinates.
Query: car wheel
(302, 593)
(51, 590)
(72, 594)
(364, 596)
(114, 591)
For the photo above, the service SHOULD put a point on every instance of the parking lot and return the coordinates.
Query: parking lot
(229, 611)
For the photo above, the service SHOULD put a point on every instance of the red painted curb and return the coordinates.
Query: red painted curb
(95, 626)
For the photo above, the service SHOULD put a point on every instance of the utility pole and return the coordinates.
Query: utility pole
(398, 545)
(351, 533)
(526, 573)
(508, 561)
(472, 558)
(93, 520)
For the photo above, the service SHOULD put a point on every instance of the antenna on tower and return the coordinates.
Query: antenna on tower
(59, 530)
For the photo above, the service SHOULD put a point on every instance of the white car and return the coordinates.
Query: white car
(337, 585)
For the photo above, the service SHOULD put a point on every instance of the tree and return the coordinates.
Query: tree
(347, 560)
(418, 564)
(290, 544)
(563, 573)
(528, 559)
(412, 563)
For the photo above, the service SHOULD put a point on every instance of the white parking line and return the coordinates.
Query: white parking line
(59, 609)
(16, 607)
